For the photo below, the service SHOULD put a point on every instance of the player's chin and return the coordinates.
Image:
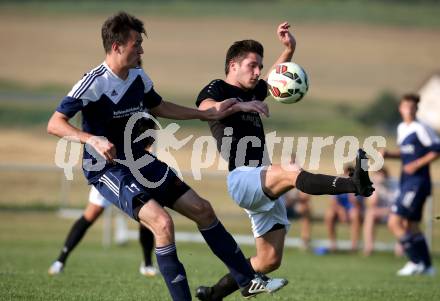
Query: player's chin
(251, 84)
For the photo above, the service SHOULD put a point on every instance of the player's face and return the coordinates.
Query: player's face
(408, 110)
(248, 71)
(131, 52)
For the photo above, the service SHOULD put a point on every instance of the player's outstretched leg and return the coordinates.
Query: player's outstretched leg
(317, 184)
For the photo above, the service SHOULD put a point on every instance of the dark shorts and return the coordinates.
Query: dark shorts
(119, 186)
(409, 203)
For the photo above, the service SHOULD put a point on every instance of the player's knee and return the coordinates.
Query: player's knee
(92, 212)
(204, 210)
(393, 223)
(163, 226)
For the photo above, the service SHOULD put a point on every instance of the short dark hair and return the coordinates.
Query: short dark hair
(240, 49)
(412, 97)
(116, 29)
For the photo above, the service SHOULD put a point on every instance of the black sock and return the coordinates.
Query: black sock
(225, 286)
(75, 235)
(317, 184)
(146, 238)
(224, 246)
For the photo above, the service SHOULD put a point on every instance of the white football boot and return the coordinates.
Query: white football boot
(262, 284)
(56, 268)
(148, 270)
(410, 269)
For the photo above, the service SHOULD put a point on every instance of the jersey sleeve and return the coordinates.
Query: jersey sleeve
(69, 106)
(211, 91)
(86, 90)
(428, 138)
(151, 97)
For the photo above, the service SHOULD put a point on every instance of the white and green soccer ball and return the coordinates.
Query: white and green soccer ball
(288, 83)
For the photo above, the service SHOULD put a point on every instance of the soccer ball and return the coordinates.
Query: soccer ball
(288, 83)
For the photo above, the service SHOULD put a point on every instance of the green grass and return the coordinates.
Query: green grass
(395, 13)
(30, 241)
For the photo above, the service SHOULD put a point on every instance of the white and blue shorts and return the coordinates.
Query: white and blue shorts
(244, 186)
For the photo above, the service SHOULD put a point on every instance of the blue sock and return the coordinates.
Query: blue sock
(407, 243)
(421, 247)
(173, 272)
(224, 247)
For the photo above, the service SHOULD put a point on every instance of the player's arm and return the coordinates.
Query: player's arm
(289, 42)
(415, 165)
(388, 154)
(250, 106)
(60, 126)
(171, 110)
(429, 140)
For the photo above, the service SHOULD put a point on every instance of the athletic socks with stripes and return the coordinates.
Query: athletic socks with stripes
(173, 272)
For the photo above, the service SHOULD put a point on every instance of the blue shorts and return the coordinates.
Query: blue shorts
(409, 203)
(118, 185)
(343, 200)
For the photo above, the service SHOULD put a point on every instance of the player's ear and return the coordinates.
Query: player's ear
(233, 65)
(116, 47)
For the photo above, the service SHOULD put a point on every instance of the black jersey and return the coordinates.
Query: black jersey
(248, 138)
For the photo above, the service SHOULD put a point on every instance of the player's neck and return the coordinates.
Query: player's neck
(409, 120)
(117, 69)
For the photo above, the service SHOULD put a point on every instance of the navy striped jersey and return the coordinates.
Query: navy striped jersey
(416, 140)
(106, 103)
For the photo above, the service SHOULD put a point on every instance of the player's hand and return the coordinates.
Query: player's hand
(254, 106)
(411, 167)
(285, 36)
(220, 110)
(104, 147)
(225, 104)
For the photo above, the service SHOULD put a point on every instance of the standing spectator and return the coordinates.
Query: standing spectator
(346, 208)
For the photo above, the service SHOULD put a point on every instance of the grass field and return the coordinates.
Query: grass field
(30, 241)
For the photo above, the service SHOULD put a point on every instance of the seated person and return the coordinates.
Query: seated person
(298, 207)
